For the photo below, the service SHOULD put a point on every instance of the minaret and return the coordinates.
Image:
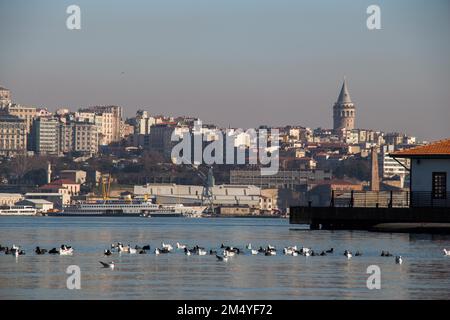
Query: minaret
(375, 178)
(49, 172)
(344, 110)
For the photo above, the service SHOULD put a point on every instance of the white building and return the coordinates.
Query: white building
(222, 194)
(430, 169)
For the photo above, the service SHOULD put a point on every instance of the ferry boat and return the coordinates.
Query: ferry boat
(17, 211)
(118, 208)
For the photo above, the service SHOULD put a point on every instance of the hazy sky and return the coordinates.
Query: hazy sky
(235, 62)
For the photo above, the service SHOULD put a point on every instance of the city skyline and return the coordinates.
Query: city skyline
(236, 64)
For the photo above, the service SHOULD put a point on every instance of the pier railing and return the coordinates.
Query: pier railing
(389, 199)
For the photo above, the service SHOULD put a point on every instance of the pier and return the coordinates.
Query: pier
(377, 211)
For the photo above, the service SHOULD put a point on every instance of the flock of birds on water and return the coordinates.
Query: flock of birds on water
(223, 254)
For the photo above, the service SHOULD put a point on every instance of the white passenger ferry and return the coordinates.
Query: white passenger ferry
(17, 211)
(117, 208)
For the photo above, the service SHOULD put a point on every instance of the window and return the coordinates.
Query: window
(439, 187)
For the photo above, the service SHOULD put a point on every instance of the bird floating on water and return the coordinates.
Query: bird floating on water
(398, 260)
(107, 265)
(446, 252)
(222, 258)
(348, 254)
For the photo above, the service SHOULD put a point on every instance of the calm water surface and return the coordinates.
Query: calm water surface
(425, 273)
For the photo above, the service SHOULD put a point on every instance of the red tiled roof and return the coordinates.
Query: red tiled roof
(63, 181)
(438, 148)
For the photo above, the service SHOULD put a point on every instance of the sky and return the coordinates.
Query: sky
(238, 63)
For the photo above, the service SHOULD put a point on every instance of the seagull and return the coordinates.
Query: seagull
(187, 252)
(446, 252)
(254, 252)
(398, 260)
(181, 246)
(348, 254)
(65, 250)
(201, 252)
(131, 250)
(166, 246)
(107, 265)
(220, 258)
(227, 253)
(157, 251)
(249, 246)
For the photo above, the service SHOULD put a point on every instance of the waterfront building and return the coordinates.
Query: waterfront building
(430, 169)
(13, 135)
(290, 179)
(226, 195)
(344, 111)
(40, 205)
(62, 186)
(58, 199)
(9, 199)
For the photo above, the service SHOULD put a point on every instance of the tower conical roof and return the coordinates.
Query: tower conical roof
(344, 96)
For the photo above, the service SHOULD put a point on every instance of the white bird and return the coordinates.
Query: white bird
(294, 253)
(131, 250)
(187, 252)
(227, 253)
(270, 247)
(254, 252)
(14, 247)
(122, 248)
(224, 258)
(398, 260)
(156, 251)
(348, 254)
(107, 265)
(201, 252)
(249, 246)
(446, 252)
(180, 246)
(167, 246)
(65, 251)
(288, 251)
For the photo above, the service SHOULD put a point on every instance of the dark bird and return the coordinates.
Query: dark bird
(40, 251)
(53, 251)
(358, 254)
(330, 251)
(107, 252)
(146, 247)
(107, 265)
